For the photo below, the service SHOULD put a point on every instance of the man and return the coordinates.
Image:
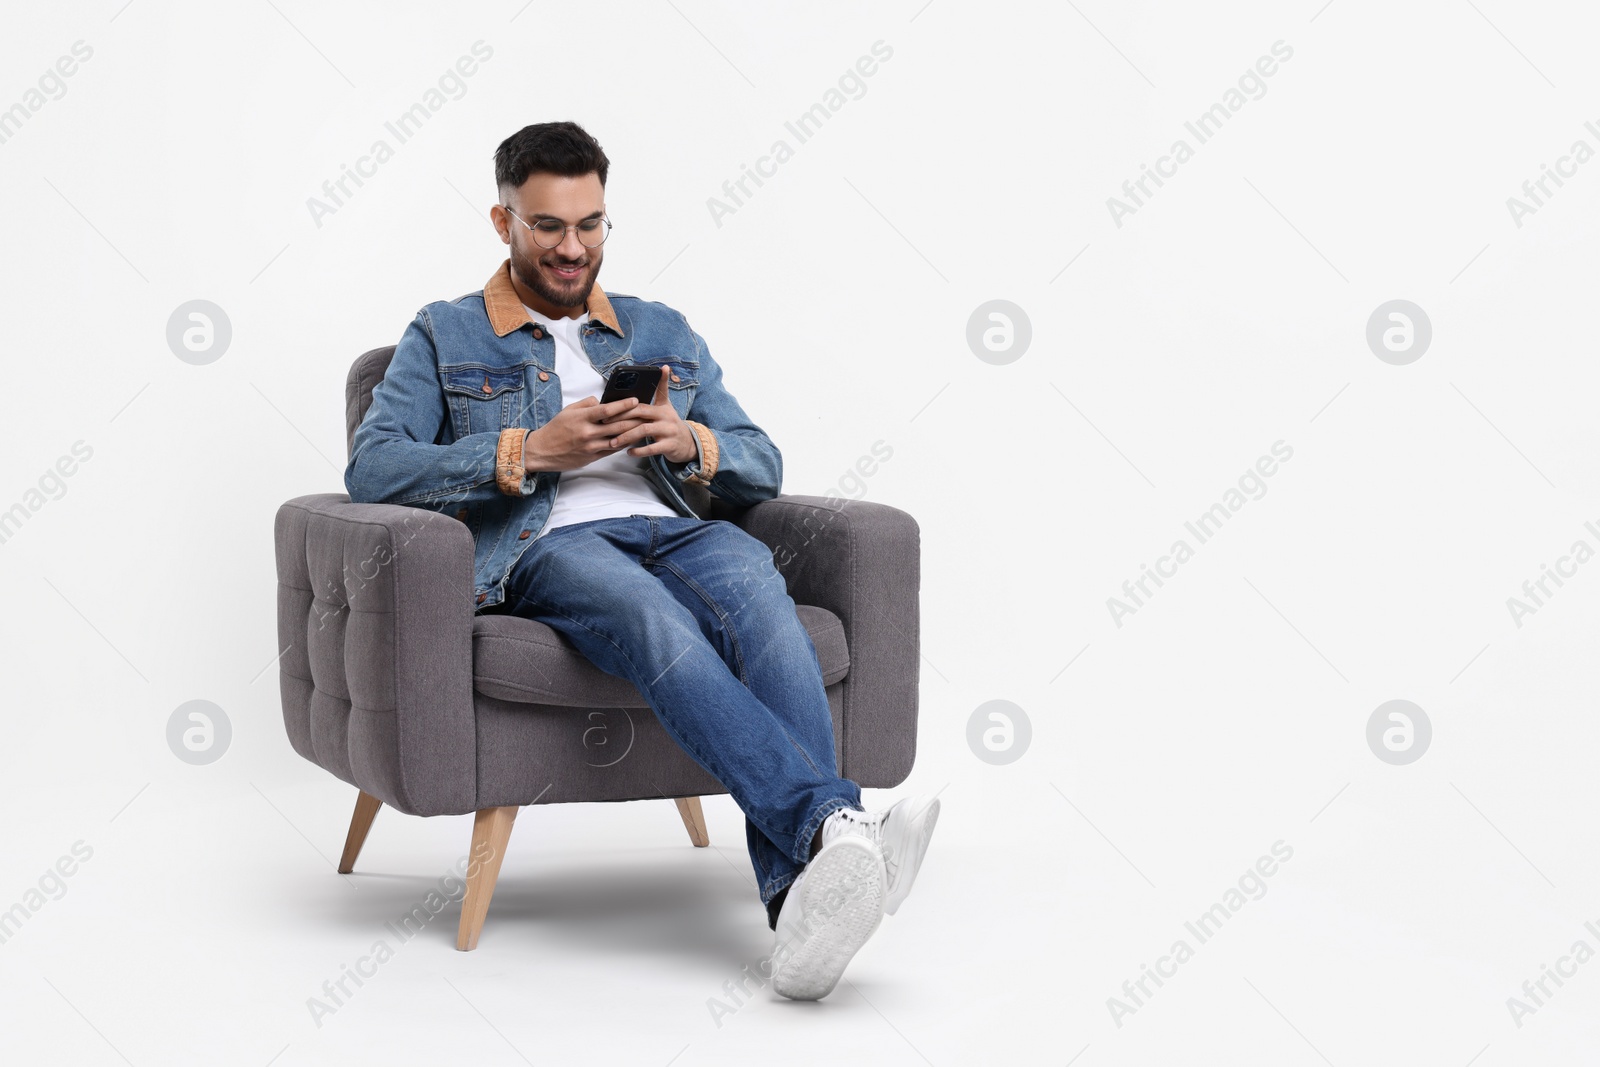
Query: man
(490, 410)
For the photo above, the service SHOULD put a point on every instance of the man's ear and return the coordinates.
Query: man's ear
(502, 223)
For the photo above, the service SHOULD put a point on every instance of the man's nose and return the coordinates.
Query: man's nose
(570, 246)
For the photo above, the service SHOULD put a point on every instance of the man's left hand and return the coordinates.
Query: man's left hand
(673, 438)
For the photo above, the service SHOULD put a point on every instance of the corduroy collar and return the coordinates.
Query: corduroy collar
(506, 312)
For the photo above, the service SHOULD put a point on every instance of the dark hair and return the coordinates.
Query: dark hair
(563, 148)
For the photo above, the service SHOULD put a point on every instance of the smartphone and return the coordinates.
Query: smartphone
(637, 380)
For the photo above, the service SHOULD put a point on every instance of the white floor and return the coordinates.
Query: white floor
(205, 923)
(610, 940)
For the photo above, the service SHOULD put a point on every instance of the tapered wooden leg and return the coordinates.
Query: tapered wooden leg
(694, 820)
(367, 807)
(491, 831)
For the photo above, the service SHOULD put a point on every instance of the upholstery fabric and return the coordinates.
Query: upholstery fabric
(523, 661)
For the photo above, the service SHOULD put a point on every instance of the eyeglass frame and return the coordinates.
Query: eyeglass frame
(569, 226)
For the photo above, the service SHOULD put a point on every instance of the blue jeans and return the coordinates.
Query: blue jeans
(693, 613)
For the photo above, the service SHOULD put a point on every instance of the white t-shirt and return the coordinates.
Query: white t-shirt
(611, 486)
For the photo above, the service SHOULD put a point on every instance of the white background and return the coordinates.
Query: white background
(1229, 713)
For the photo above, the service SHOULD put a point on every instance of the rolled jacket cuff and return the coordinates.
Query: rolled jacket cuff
(509, 472)
(708, 454)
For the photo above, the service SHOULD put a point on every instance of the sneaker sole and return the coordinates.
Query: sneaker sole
(842, 905)
(924, 819)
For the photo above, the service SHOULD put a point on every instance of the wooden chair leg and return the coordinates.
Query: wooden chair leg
(491, 830)
(367, 807)
(694, 820)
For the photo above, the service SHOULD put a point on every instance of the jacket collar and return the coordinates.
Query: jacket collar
(506, 312)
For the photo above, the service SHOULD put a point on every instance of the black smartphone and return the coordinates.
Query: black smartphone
(637, 380)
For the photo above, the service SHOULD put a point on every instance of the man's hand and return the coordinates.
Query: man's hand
(579, 434)
(658, 419)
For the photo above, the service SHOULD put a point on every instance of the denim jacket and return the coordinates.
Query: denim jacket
(472, 376)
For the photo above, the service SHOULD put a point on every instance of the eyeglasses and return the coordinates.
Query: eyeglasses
(548, 233)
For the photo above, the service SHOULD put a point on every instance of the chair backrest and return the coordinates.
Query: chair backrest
(365, 373)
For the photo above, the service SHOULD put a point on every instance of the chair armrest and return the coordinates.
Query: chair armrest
(375, 624)
(862, 561)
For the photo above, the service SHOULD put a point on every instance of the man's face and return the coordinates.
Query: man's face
(561, 276)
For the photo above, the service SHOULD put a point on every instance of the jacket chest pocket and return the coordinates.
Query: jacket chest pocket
(484, 399)
(681, 386)
(681, 383)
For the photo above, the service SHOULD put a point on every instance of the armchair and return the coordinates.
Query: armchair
(391, 682)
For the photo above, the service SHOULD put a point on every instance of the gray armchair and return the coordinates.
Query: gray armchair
(392, 682)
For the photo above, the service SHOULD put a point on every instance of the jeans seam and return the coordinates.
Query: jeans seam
(722, 617)
(650, 552)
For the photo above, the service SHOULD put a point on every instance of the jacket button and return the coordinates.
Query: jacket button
(537, 332)
(544, 376)
(487, 387)
(676, 378)
(482, 597)
(461, 516)
(523, 536)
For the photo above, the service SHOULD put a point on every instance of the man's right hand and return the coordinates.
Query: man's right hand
(578, 435)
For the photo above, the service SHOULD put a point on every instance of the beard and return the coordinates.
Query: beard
(560, 293)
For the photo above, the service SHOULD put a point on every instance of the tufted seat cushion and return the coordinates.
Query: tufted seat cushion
(527, 662)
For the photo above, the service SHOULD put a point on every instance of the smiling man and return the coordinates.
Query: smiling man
(581, 515)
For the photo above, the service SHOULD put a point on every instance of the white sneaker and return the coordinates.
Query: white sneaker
(831, 910)
(901, 833)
